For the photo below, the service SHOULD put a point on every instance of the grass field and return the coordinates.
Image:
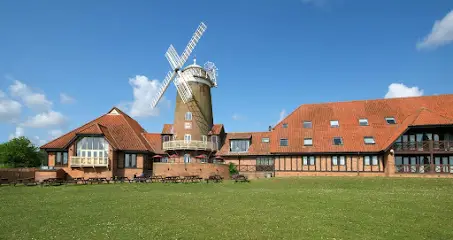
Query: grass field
(296, 208)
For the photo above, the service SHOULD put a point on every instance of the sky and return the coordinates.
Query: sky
(64, 63)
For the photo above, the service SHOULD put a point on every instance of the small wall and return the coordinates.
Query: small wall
(13, 174)
(203, 170)
(41, 175)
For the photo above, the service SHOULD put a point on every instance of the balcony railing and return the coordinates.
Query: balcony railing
(425, 146)
(424, 168)
(77, 161)
(187, 145)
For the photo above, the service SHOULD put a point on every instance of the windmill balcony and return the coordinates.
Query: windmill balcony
(187, 145)
(77, 161)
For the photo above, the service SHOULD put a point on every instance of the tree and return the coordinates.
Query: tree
(20, 152)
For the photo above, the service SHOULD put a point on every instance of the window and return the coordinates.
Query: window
(283, 142)
(265, 139)
(130, 160)
(390, 120)
(369, 140)
(96, 147)
(363, 122)
(166, 138)
(334, 123)
(239, 145)
(187, 138)
(308, 141)
(188, 116)
(307, 124)
(187, 125)
(337, 141)
(215, 142)
(285, 125)
(204, 138)
(164, 159)
(372, 160)
(264, 164)
(338, 160)
(308, 160)
(186, 158)
(61, 158)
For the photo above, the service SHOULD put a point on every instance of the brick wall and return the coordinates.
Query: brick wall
(203, 170)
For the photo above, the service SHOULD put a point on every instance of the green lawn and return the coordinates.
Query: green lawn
(295, 208)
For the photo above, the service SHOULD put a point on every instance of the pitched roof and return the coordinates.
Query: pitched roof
(155, 141)
(216, 129)
(256, 148)
(168, 129)
(118, 128)
(411, 111)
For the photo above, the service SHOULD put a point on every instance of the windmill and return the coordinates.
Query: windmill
(193, 84)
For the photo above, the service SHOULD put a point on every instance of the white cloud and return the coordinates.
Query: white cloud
(37, 141)
(45, 119)
(66, 99)
(2, 94)
(441, 33)
(35, 101)
(282, 115)
(144, 91)
(55, 133)
(9, 110)
(18, 133)
(397, 90)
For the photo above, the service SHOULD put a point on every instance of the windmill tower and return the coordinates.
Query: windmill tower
(193, 117)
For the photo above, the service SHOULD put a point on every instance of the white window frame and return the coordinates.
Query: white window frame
(287, 142)
(187, 125)
(341, 141)
(285, 125)
(366, 160)
(265, 140)
(204, 138)
(187, 158)
(390, 118)
(187, 138)
(188, 116)
(334, 123)
(85, 151)
(307, 122)
(363, 120)
(308, 141)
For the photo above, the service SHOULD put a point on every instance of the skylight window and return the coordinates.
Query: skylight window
(283, 142)
(369, 140)
(265, 139)
(334, 123)
(285, 125)
(390, 120)
(363, 122)
(337, 141)
(308, 141)
(307, 124)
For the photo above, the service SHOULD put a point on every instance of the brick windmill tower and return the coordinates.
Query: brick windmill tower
(193, 117)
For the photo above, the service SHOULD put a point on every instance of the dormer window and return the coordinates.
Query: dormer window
(239, 145)
(337, 141)
(334, 123)
(265, 140)
(363, 122)
(308, 141)
(390, 120)
(369, 140)
(285, 125)
(283, 142)
(188, 116)
(307, 124)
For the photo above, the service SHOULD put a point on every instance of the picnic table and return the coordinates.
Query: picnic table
(240, 178)
(156, 178)
(192, 178)
(52, 181)
(172, 179)
(26, 181)
(121, 179)
(214, 178)
(98, 180)
(140, 179)
(4, 181)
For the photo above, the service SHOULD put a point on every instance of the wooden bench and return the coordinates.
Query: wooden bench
(240, 178)
(156, 179)
(214, 178)
(121, 179)
(52, 182)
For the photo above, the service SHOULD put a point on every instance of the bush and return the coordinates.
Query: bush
(233, 169)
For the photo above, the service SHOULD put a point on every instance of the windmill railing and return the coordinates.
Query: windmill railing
(189, 145)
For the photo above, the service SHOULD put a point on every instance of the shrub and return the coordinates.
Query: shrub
(233, 169)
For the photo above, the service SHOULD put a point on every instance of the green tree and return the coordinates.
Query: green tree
(233, 169)
(20, 152)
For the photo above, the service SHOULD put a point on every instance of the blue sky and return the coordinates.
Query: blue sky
(63, 63)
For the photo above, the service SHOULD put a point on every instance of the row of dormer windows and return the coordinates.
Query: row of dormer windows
(335, 141)
(336, 123)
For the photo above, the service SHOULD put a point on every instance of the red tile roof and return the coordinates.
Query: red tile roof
(168, 129)
(216, 129)
(155, 141)
(122, 130)
(256, 148)
(428, 110)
